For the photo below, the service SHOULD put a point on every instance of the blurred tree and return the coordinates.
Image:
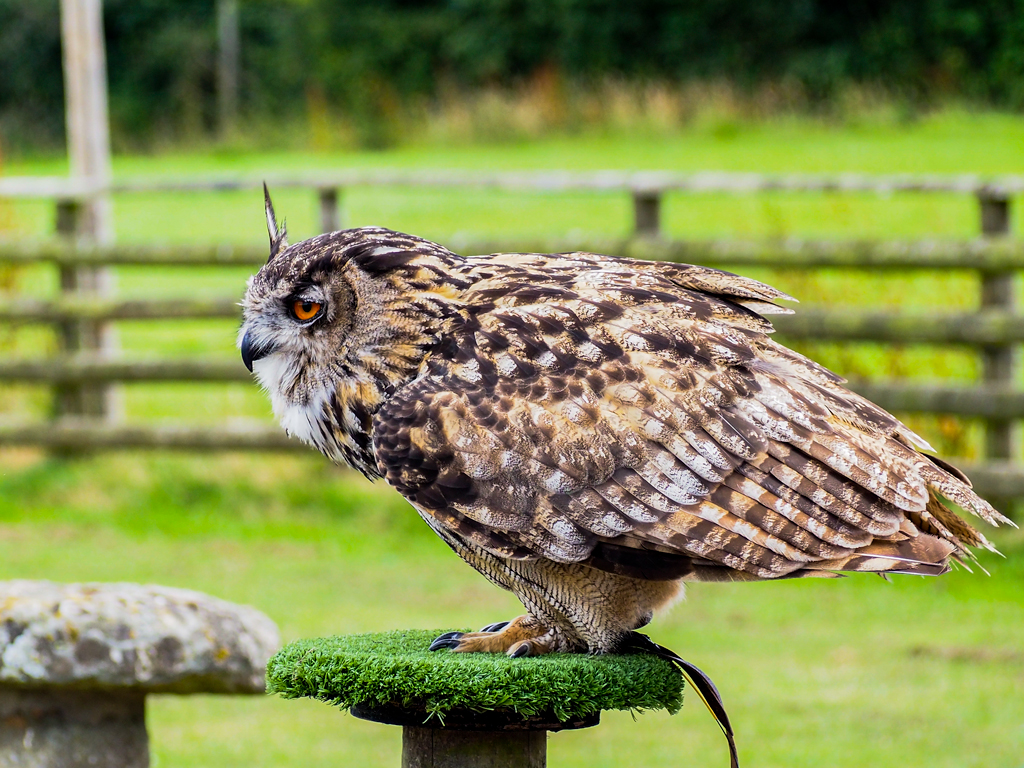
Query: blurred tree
(31, 85)
(365, 57)
(162, 62)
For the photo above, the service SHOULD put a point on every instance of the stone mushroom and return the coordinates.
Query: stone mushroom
(77, 660)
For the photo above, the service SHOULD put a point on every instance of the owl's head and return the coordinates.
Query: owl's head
(332, 325)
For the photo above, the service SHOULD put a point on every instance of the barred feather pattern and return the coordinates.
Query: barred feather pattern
(553, 416)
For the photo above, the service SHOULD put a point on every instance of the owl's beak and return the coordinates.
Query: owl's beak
(253, 351)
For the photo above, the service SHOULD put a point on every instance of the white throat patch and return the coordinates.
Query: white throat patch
(298, 420)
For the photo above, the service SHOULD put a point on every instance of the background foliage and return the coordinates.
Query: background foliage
(368, 58)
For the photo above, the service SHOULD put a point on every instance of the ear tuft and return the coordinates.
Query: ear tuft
(278, 237)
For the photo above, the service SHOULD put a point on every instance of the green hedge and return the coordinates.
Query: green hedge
(365, 54)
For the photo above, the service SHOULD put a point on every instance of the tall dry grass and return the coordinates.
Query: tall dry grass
(547, 104)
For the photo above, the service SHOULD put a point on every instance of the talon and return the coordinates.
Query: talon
(523, 649)
(447, 640)
(523, 636)
(495, 627)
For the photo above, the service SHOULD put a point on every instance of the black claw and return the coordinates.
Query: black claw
(495, 627)
(447, 640)
(522, 650)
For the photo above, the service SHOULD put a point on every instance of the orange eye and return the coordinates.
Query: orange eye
(305, 310)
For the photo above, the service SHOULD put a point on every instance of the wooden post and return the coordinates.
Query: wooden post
(646, 213)
(330, 209)
(467, 739)
(228, 47)
(999, 363)
(85, 94)
(87, 221)
(77, 336)
(438, 748)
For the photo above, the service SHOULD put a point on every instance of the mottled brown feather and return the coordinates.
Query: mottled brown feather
(651, 403)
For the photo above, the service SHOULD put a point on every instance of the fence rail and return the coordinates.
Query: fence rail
(55, 187)
(78, 434)
(981, 254)
(978, 401)
(20, 311)
(992, 479)
(996, 330)
(983, 328)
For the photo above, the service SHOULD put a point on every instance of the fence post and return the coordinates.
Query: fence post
(330, 209)
(646, 213)
(228, 45)
(77, 336)
(89, 219)
(999, 363)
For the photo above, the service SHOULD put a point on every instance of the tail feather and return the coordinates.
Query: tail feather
(923, 555)
(698, 680)
(938, 519)
(942, 482)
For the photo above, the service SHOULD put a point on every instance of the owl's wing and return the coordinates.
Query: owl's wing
(661, 433)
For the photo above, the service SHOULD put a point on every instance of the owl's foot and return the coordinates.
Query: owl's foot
(523, 636)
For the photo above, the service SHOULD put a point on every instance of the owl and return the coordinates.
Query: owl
(589, 432)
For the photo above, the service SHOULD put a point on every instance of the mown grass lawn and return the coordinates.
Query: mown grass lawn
(850, 672)
(839, 673)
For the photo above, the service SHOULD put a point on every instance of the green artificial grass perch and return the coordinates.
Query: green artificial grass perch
(395, 669)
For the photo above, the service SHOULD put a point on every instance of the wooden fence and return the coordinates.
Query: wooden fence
(81, 374)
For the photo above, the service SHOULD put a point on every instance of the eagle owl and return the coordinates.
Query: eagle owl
(591, 432)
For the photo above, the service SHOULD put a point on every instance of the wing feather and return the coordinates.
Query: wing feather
(613, 411)
(801, 510)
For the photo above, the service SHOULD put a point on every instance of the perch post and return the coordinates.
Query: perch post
(469, 710)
